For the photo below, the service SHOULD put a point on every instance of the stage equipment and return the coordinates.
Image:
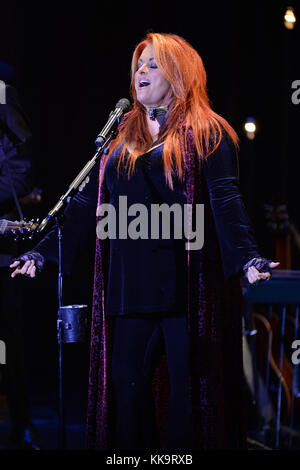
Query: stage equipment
(107, 134)
(73, 323)
(250, 128)
(289, 18)
(282, 289)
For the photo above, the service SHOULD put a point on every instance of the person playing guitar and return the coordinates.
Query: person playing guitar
(15, 182)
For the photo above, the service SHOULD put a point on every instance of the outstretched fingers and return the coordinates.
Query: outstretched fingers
(28, 268)
(273, 265)
(254, 275)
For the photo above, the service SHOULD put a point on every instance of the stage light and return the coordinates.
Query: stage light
(289, 18)
(250, 128)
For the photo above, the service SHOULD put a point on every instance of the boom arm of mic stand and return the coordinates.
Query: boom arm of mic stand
(74, 186)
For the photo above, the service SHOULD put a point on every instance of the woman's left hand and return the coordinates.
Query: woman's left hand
(254, 276)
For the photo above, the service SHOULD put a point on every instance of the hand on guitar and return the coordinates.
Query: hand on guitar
(259, 269)
(28, 264)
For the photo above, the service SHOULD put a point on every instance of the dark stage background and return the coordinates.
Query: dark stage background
(73, 63)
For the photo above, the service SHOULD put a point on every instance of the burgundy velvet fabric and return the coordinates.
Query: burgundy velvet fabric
(215, 328)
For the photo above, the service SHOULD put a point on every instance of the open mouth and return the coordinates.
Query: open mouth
(144, 83)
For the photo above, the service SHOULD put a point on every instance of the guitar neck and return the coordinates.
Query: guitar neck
(3, 225)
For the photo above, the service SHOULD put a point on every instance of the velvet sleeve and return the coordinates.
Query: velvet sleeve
(235, 234)
(79, 220)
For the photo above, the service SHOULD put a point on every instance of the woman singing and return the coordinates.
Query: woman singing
(166, 339)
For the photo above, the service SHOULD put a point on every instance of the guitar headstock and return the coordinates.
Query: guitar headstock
(20, 230)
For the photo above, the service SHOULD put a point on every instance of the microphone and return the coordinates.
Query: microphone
(115, 116)
(105, 135)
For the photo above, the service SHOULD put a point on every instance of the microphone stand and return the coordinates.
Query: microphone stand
(59, 326)
(57, 214)
(74, 186)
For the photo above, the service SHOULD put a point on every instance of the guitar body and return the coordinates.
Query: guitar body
(270, 364)
(289, 337)
(278, 221)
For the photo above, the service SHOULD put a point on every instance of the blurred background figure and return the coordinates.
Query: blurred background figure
(15, 183)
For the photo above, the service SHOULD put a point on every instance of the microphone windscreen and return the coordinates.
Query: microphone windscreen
(124, 104)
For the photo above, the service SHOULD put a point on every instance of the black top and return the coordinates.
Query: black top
(147, 275)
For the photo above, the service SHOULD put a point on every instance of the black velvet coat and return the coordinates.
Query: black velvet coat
(214, 312)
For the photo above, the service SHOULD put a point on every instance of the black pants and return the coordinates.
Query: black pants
(11, 332)
(137, 343)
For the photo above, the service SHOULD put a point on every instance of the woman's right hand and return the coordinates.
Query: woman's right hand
(28, 264)
(27, 269)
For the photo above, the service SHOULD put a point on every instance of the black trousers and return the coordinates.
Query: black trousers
(137, 344)
(14, 372)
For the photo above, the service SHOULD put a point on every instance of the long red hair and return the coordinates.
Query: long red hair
(189, 110)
